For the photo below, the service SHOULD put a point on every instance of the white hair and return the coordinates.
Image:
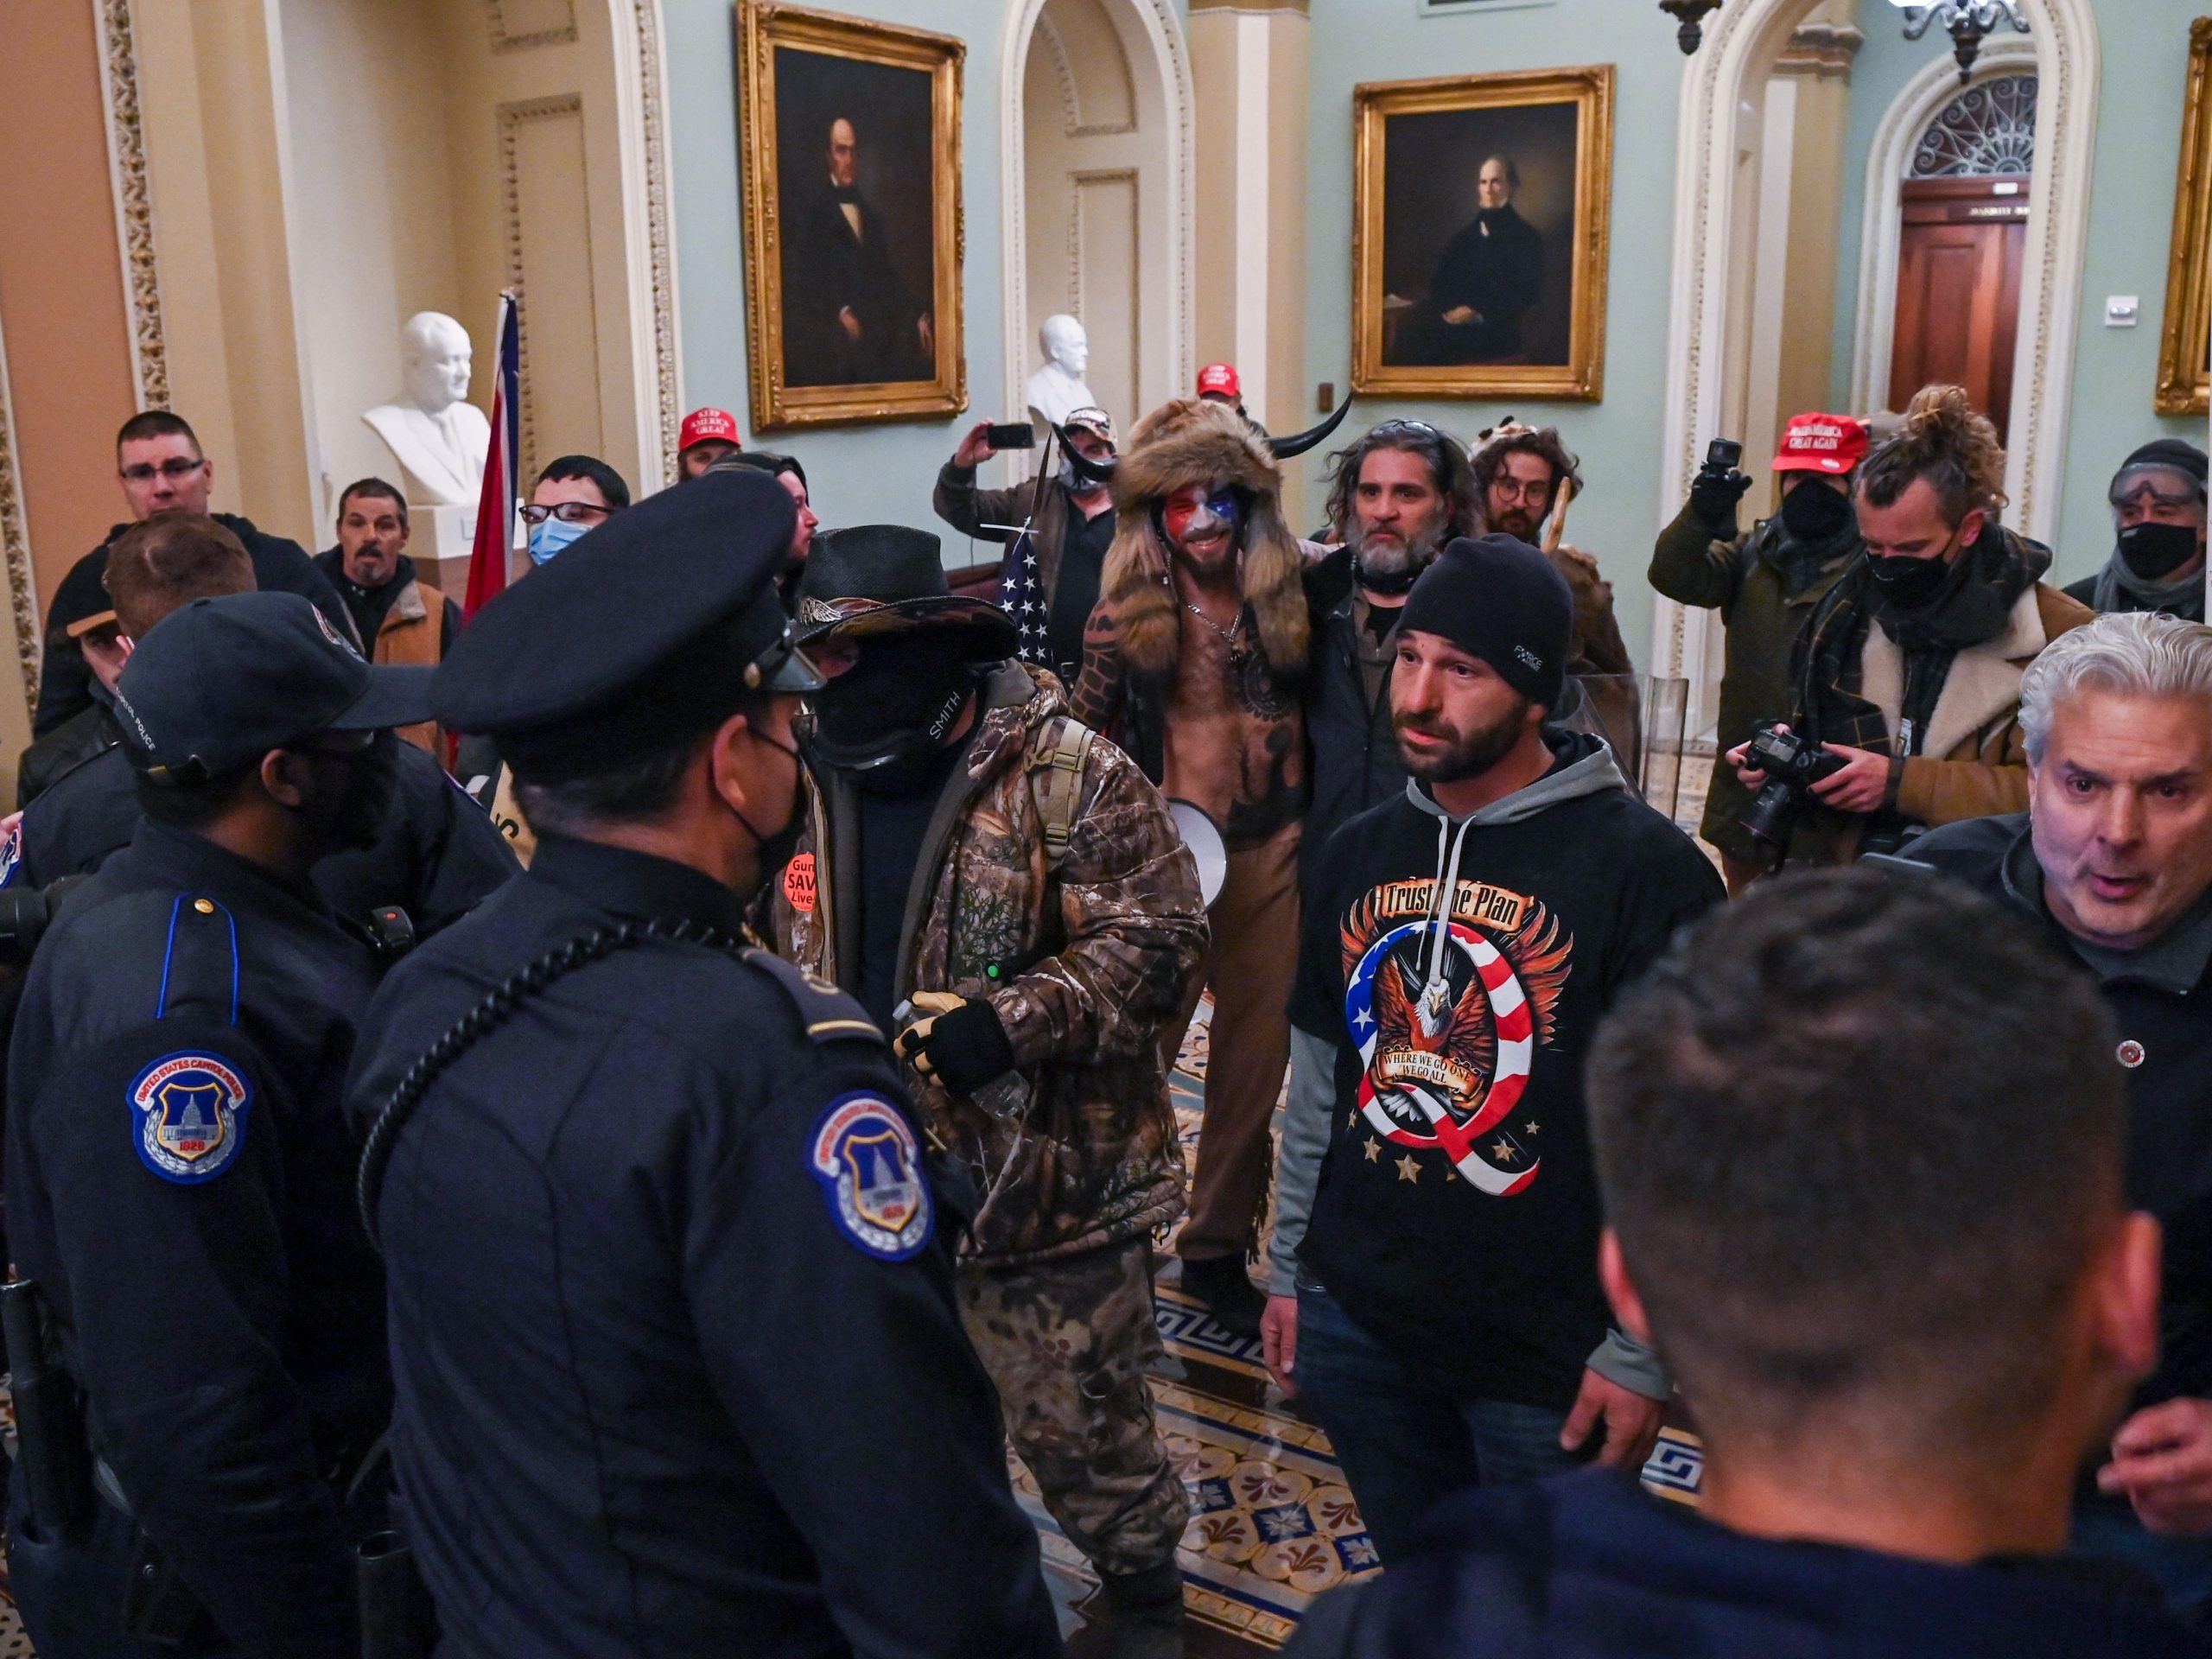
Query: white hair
(2135, 653)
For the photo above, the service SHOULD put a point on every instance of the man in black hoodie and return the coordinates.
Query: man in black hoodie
(1860, 1146)
(1435, 1195)
(161, 466)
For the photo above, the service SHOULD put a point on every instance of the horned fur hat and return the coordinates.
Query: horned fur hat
(1180, 443)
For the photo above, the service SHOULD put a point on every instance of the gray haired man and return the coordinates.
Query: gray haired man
(2114, 858)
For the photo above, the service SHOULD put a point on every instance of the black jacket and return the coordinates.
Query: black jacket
(179, 1180)
(2157, 998)
(673, 1374)
(829, 269)
(1356, 762)
(436, 855)
(92, 730)
(65, 682)
(1589, 1566)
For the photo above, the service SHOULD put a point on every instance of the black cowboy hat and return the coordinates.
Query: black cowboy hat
(875, 579)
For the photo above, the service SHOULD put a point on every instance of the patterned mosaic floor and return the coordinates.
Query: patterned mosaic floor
(1272, 1524)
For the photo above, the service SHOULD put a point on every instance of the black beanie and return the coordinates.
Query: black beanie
(1499, 600)
(2175, 453)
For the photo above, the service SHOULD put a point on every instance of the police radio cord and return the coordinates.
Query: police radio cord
(486, 1017)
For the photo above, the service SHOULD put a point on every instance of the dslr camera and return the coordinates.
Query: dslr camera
(25, 914)
(1792, 765)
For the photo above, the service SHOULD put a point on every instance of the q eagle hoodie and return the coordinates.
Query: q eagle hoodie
(1452, 973)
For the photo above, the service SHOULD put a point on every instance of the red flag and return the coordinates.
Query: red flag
(495, 507)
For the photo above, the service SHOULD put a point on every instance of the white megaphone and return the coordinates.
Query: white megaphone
(1202, 836)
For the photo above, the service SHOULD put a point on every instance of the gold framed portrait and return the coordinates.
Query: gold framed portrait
(1481, 210)
(2185, 346)
(849, 135)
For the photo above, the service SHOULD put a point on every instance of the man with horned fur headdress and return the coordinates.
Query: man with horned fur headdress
(1193, 660)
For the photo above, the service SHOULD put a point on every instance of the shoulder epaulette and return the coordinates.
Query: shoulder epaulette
(200, 963)
(829, 1014)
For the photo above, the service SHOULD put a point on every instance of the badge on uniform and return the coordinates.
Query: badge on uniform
(188, 1115)
(870, 1167)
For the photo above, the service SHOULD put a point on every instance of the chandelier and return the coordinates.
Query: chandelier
(1967, 22)
(1690, 14)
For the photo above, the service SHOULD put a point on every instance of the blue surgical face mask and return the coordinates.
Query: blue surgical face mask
(549, 537)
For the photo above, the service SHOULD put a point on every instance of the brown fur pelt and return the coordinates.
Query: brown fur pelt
(1193, 442)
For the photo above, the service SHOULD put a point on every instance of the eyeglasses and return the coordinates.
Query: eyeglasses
(1528, 491)
(1393, 429)
(568, 512)
(144, 471)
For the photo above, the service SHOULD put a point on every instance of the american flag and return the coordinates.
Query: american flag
(495, 507)
(1023, 595)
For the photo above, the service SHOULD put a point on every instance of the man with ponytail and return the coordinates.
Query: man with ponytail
(1908, 671)
(1193, 662)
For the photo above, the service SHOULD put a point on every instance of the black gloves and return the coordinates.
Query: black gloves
(966, 1047)
(1713, 498)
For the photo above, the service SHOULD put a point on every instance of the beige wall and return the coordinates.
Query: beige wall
(62, 314)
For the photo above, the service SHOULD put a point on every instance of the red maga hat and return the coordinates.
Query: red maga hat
(1221, 378)
(1821, 443)
(707, 426)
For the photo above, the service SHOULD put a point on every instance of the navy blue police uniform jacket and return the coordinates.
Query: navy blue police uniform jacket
(178, 1182)
(677, 1363)
(1590, 1566)
(435, 854)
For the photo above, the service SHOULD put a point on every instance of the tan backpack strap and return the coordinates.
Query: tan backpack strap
(1056, 783)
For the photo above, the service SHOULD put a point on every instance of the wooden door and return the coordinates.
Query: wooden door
(1958, 313)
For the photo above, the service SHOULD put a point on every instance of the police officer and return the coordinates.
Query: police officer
(431, 850)
(677, 1364)
(178, 1164)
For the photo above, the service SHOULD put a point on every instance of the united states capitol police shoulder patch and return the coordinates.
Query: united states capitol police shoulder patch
(870, 1167)
(189, 1112)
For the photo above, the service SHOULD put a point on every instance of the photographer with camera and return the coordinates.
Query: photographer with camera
(1764, 584)
(1071, 519)
(1907, 674)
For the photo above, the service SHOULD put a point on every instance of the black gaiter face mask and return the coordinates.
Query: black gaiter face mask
(1813, 513)
(2154, 551)
(884, 719)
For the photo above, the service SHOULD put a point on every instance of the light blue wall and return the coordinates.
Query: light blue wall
(878, 473)
(883, 473)
(2144, 52)
(1619, 440)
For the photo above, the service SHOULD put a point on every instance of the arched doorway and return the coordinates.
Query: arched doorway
(1716, 127)
(1951, 160)
(1097, 163)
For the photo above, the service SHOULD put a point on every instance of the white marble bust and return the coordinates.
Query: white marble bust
(439, 440)
(1055, 390)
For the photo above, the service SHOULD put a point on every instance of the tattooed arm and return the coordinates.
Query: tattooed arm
(1100, 691)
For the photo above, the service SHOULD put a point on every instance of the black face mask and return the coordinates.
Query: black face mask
(1813, 513)
(773, 852)
(353, 815)
(884, 721)
(2153, 551)
(1903, 585)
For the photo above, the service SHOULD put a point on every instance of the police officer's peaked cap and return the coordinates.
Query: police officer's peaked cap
(654, 625)
(222, 682)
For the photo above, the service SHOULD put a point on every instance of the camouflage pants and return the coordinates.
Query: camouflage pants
(1067, 1341)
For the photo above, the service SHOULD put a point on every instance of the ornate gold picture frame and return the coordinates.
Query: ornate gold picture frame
(850, 134)
(1481, 230)
(2185, 346)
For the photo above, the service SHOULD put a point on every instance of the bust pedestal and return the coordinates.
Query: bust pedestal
(442, 539)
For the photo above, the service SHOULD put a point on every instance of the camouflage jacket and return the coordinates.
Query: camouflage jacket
(1097, 958)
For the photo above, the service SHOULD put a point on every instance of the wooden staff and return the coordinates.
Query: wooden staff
(1559, 515)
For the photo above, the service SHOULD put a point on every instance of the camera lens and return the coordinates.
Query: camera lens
(1772, 814)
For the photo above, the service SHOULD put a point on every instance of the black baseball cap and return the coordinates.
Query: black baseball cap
(661, 619)
(218, 684)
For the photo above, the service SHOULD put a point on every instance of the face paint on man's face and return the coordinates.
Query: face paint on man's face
(1203, 522)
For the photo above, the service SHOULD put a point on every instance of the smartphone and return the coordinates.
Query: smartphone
(1015, 435)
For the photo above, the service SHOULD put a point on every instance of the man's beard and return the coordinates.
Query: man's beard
(1518, 523)
(1466, 755)
(1385, 554)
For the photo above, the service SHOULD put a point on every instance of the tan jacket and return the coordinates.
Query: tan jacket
(410, 638)
(1972, 763)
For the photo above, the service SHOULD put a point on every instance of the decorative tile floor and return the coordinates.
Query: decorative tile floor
(1271, 1524)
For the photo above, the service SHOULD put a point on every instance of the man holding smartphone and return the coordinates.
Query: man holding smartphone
(1071, 519)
